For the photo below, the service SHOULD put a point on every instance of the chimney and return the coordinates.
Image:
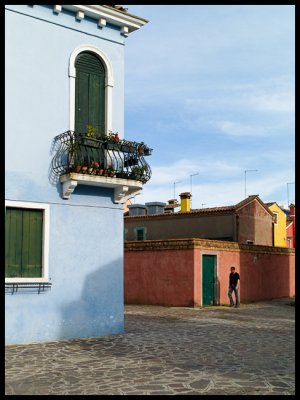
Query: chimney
(155, 207)
(185, 202)
(173, 201)
(136, 209)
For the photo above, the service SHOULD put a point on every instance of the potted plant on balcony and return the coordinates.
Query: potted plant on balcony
(113, 141)
(93, 167)
(141, 148)
(122, 175)
(91, 131)
(130, 161)
(109, 172)
(138, 172)
(127, 146)
(77, 168)
(76, 159)
(92, 137)
(147, 151)
(84, 168)
(100, 170)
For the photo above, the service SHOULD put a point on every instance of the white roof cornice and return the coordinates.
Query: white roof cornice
(111, 15)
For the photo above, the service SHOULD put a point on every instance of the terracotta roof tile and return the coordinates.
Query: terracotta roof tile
(203, 211)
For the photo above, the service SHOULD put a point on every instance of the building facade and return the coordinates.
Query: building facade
(291, 227)
(280, 223)
(64, 70)
(249, 222)
(195, 272)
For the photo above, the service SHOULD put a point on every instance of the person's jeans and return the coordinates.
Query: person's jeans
(231, 289)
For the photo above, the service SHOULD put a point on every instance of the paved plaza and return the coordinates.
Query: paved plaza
(168, 351)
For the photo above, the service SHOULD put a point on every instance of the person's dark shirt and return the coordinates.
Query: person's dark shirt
(233, 278)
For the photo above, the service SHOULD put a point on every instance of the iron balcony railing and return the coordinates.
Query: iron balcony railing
(108, 156)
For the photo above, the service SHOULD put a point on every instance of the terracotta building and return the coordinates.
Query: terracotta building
(279, 219)
(194, 272)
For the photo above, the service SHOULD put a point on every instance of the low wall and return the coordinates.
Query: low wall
(169, 272)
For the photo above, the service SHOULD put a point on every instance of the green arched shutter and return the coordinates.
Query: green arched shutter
(89, 93)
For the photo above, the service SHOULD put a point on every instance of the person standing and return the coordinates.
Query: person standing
(234, 277)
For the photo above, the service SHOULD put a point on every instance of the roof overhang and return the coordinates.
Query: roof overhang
(113, 16)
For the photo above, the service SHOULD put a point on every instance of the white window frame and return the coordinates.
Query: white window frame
(109, 83)
(45, 243)
(275, 217)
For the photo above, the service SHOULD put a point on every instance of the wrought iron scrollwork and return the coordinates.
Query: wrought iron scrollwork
(79, 153)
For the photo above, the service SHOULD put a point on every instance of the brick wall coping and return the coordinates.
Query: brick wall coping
(194, 243)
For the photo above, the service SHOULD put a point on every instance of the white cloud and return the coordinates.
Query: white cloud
(182, 169)
(274, 102)
(238, 129)
(269, 187)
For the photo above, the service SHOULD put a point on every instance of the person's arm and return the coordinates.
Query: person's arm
(237, 282)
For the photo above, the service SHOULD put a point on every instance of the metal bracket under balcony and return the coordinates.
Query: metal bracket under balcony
(124, 189)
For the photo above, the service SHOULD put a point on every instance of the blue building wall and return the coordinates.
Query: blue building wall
(86, 231)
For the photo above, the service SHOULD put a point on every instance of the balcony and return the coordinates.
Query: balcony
(106, 162)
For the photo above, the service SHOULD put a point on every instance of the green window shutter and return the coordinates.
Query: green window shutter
(32, 243)
(13, 243)
(89, 93)
(96, 103)
(23, 244)
(82, 101)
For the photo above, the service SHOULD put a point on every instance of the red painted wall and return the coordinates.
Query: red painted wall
(263, 276)
(173, 276)
(159, 277)
(290, 233)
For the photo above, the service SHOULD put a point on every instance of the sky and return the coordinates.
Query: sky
(211, 89)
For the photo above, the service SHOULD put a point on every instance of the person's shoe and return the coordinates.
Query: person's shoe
(237, 306)
(231, 305)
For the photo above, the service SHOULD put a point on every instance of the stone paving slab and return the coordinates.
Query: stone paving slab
(167, 351)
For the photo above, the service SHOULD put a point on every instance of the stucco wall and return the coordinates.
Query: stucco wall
(86, 231)
(153, 278)
(86, 271)
(178, 226)
(280, 232)
(252, 222)
(37, 54)
(172, 269)
(290, 235)
(255, 224)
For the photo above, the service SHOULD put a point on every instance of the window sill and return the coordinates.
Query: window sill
(124, 189)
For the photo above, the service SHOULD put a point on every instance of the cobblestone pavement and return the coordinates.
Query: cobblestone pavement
(169, 351)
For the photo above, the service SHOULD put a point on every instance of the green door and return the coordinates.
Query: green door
(208, 280)
(89, 93)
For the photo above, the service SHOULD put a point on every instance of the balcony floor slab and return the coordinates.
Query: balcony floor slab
(124, 189)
